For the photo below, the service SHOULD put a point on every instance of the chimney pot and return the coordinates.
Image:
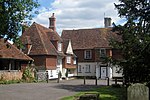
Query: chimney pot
(52, 22)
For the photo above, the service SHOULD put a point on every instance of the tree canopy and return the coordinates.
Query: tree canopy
(135, 44)
(12, 15)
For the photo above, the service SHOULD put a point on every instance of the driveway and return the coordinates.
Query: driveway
(46, 91)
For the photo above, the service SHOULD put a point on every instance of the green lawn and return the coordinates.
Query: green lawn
(106, 93)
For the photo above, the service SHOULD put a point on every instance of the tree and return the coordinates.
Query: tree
(12, 15)
(135, 43)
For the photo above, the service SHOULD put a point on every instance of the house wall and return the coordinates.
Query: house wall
(43, 62)
(39, 61)
(98, 70)
(51, 62)
(71, 65)
(47, 63)
(97, 54)
(10, 75)
(80, 54)
(95, 68)
(83, 72)
(52, 74)
(115, 71)
(71, 72)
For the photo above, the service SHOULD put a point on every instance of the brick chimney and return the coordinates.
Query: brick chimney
(107, 22)
(52, 22)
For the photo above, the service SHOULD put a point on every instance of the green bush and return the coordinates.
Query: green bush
(27, 75)
(10, 81)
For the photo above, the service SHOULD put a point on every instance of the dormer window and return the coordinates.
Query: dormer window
(59, 46)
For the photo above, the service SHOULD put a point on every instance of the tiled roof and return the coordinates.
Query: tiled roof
(40, 38)
(89, 38)
(65, 45)
(9, 51)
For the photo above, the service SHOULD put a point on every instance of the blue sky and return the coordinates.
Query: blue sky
(45, 3)
(76, 14)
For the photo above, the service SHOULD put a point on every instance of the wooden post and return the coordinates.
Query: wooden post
(84, 79)
(47, 76)
(58, 78)
(95, 80)
(115, 80)
(9, 65)
(107, 81)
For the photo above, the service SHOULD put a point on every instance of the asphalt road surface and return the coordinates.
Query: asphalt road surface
(46, 91)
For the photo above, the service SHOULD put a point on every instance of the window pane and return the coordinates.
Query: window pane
(102, 52)
(87, 68)
(59, 46)
(74, 62)
(88, 54)
(68, 59)
(79, 68)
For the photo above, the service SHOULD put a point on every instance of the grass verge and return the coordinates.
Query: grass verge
(106, 93)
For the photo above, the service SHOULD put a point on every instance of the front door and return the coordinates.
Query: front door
(103, 72)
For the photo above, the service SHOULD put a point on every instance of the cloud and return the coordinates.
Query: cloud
(74, 14)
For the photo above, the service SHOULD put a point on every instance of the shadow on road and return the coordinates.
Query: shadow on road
(77, 88)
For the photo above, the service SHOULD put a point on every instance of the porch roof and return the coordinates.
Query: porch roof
(9, 51)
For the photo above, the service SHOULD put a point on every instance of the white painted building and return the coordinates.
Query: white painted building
(91, 46)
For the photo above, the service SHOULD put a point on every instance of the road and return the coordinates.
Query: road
(46, 91)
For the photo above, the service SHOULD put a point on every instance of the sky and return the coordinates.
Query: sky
(77, 14)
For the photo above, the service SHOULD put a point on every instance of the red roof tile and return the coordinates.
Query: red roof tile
(9, 51)
(89, 38)
(40, 39)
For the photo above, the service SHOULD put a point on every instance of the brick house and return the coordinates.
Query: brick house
(91, 46)
(69, 61)
(45, 46)
(12, 61)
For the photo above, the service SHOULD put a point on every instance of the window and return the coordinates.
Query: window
(59, 62)
(87, 54)
(102, 52)
(79, 68)
(87, 68)
(68, 59)
(74, 61)
(59, 46)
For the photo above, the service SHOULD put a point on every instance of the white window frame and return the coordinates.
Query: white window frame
(79, 68)
(88, 54)
(103, 53)
(59, 46)
(74, 61)
(87, 68)
(68, 59)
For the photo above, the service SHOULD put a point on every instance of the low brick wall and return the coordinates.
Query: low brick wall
(10, 75)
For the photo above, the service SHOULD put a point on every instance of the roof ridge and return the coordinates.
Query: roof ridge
(86, 29)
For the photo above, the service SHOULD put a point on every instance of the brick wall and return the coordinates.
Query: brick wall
(80, 56)
(51, 62)
(71, 65)
(10, 75)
